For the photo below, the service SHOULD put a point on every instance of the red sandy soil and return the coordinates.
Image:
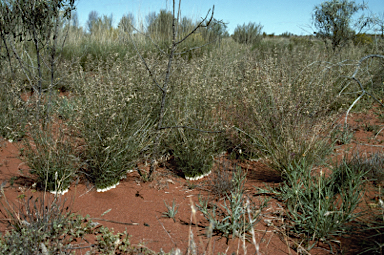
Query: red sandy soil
(133, 201)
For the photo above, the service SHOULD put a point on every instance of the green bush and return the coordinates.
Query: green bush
(115, 124)
(321, 207)
(51, 156)
(13, 113)
(113, 143)
(193, 152)
(362, 39)
(296, 40)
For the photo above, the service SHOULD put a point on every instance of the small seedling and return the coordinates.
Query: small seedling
(171, 211)
(191, 185)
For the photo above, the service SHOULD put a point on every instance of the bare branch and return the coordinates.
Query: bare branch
(353, 77)
(199, 25)
(118, 222)
(364, 58)
(200, 130)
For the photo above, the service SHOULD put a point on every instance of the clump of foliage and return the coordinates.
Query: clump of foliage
(193, 152)
(51, 156)
(372, 165)
(318, 206)
(232, 218)
(44, 226)
(13, 113)
(223, 182)
(362, 39)
(115, 127)
(171, 211)
(284, 117)
(41, 227)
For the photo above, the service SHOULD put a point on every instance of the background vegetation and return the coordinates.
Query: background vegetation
(91, 96)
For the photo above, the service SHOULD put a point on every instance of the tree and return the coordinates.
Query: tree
(333, 21)
(248, 34)
(126, 23)
(93, 16)
(160, 25)
(36, 21)
(75, 20)
(186, 25)
(100, 24)
(379, 21)
(215, 30)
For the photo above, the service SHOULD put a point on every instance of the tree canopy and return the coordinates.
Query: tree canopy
(333, 21)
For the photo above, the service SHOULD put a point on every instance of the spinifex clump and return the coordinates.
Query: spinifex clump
(194, 153)
(51, 156)
(114, 126)
(112, 149)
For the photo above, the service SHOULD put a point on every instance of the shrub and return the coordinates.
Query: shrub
(372, 165)
(193, 152)
(362, 39)
(223, 182)
(13, 114)
(296, 40)
(248, 34)
(51, 156)
(318, 206)
(41, 227)
(113, 143)
(230, 218)
(115, 125)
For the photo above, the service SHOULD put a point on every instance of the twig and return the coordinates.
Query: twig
(199, 25)
(166, 231)
(372, 145)
(353, 77)
(350, 108)
(257, 247)
(379, 132)
(118, 222)
(200, 130)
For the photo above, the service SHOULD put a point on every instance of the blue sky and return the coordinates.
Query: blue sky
(277, 16)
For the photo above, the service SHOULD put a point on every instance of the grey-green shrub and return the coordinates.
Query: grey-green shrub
(40, 224)
(13, 113)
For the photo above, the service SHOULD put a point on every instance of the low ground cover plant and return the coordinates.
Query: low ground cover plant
(231, 218)
(319, 207)
(171, 210)
(41, 226)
